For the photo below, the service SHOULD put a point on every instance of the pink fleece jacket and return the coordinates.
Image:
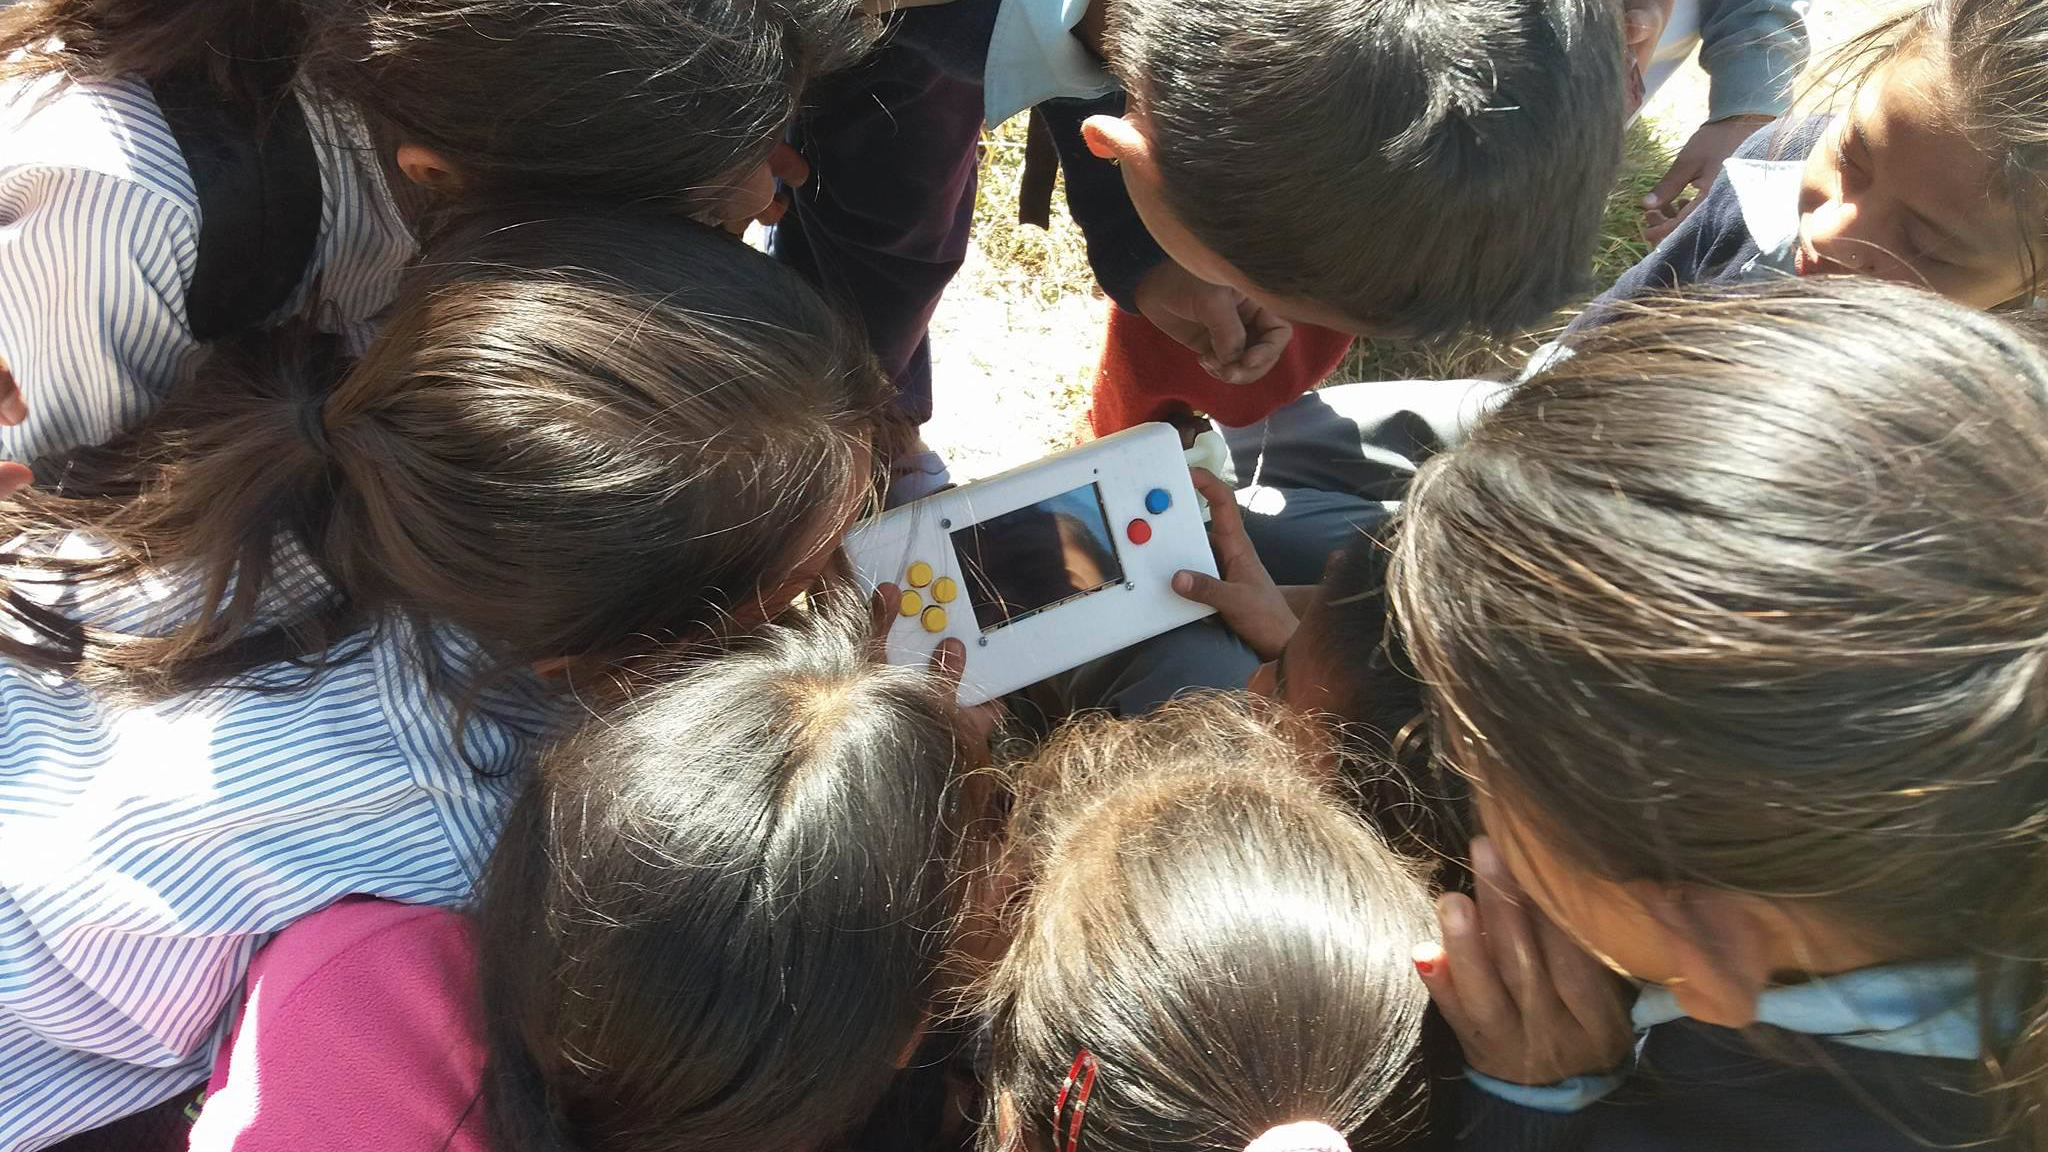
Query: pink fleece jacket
(359, 1032)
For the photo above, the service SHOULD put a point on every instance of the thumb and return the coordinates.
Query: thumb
(1205, 589)
(14, 478)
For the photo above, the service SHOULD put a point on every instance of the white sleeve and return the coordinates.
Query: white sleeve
(93, 276)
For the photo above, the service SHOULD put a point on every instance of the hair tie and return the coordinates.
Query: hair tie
(1081, 1074)
(310, 410)
(1300, 1136)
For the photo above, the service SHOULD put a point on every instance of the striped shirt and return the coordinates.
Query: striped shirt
(146, 850)
(99, 232)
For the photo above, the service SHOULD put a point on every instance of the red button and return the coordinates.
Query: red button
(1139, 531)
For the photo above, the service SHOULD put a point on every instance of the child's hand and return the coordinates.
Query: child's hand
(1238, 341)
(1696, 167)
(13, 410)
(1246, 596)
(1528, 1004)
(972, 726)
(1642, 28)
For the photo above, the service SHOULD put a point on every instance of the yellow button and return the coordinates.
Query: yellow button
(935, 619)
(945, 590)
(910, 604)
(920, 574)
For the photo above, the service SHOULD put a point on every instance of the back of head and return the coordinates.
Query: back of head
(1222, 935)
(627, 100)
(1752, 593)
(717, 919)
(578, 436)
(1420, 166)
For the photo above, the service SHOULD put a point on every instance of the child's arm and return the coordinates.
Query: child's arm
(93, 275)
(1753, 52)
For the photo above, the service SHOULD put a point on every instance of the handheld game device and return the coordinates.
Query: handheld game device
(1044, 567)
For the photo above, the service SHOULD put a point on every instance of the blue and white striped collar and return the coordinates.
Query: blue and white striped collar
(1923, 1009)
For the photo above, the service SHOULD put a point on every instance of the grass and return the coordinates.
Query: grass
(1039, 264)
(1046, 265)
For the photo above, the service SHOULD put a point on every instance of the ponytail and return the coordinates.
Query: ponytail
(546, 450)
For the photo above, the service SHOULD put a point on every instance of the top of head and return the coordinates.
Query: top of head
(1045, 566)
(1413, 127)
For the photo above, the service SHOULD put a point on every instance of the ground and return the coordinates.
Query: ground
(1015, 342)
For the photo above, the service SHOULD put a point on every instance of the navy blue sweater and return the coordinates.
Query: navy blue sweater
(1698, 1088)
(1713, 243)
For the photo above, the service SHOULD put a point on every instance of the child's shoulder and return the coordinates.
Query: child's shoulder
(361, 937)
(111, 128)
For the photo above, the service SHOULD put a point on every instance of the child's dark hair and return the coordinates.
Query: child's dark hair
(1752, 592)
(630, 100)
(577, 437)
(1423, 166)
(1402, 793)
(718, 919)
(1205, 917)
(1996, 53)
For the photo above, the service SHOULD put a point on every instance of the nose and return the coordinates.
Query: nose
(1834, 229)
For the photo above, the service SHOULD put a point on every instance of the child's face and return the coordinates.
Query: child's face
(1604, 917)
(1142, 181)
(1895, 190)
(1301, 678)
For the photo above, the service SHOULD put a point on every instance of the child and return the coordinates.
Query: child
(1352, 163)
(1207, 954)
(296, 637)
(718, 919)
(121, 255)
(1736, 621)
(1933, 175)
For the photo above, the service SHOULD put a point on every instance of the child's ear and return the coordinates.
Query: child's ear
(428, 169)
(1720, 948)
(1117, 138)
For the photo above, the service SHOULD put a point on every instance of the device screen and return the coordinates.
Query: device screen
(1024, 562)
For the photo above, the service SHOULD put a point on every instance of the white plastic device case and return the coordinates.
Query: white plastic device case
(1045, 567)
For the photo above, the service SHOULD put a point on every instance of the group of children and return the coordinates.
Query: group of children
(435, 716)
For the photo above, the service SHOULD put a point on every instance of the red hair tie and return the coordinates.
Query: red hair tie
(1083, 1070)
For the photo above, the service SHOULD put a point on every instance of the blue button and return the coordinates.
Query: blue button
(1158, 500)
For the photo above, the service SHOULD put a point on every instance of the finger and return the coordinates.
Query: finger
(1226, 519)
(1509, 934)
(1217, 312)
(1594, 995)
(1189, 334)
(1481, 996)
(1202, 588)
(883, 608)
(776, 209)
(14, 478)
(949, 662)
(1432, 964)
(1667, 189)
(13, 408)
(788, 165)
(1267, 338)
